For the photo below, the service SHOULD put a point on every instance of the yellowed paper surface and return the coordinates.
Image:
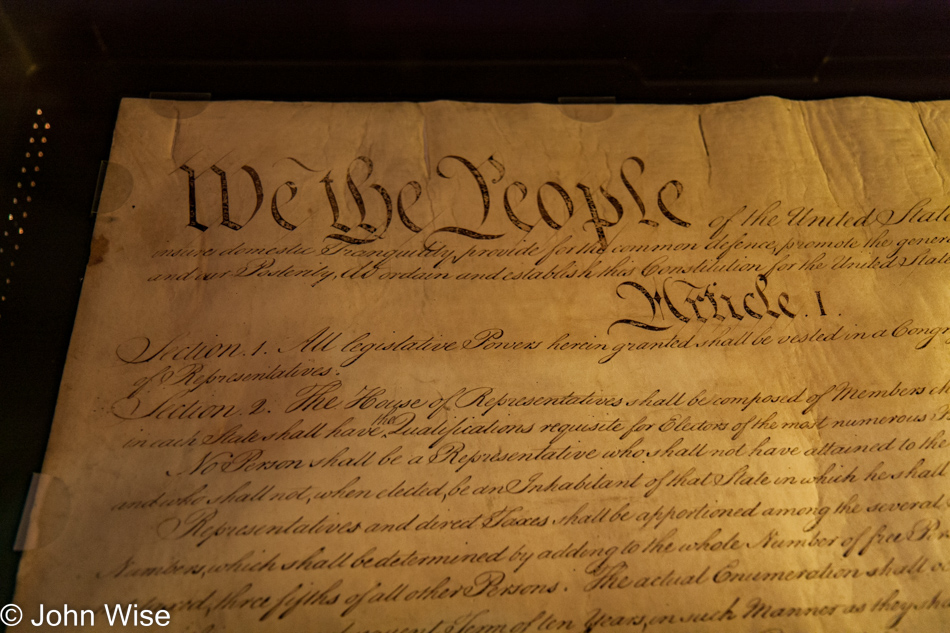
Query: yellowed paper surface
(454, 367)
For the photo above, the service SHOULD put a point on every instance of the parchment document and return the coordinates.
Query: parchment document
(472, 368)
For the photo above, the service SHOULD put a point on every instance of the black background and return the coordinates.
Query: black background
(76, 60)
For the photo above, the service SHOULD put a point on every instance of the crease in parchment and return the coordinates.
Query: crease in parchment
(175, 133)
(702, 135)
(425, 144)
(817, 154)
(933, 154)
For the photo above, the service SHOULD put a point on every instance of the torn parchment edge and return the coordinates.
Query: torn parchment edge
(178, 105)
(587, 109)
(113, 188)
(44, 513)
(103, 166)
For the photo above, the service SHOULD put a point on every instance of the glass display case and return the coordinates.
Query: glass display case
(64, 66)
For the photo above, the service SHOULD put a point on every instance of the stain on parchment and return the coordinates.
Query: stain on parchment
(98, 250)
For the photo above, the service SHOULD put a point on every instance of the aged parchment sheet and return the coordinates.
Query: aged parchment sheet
(461, 368)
